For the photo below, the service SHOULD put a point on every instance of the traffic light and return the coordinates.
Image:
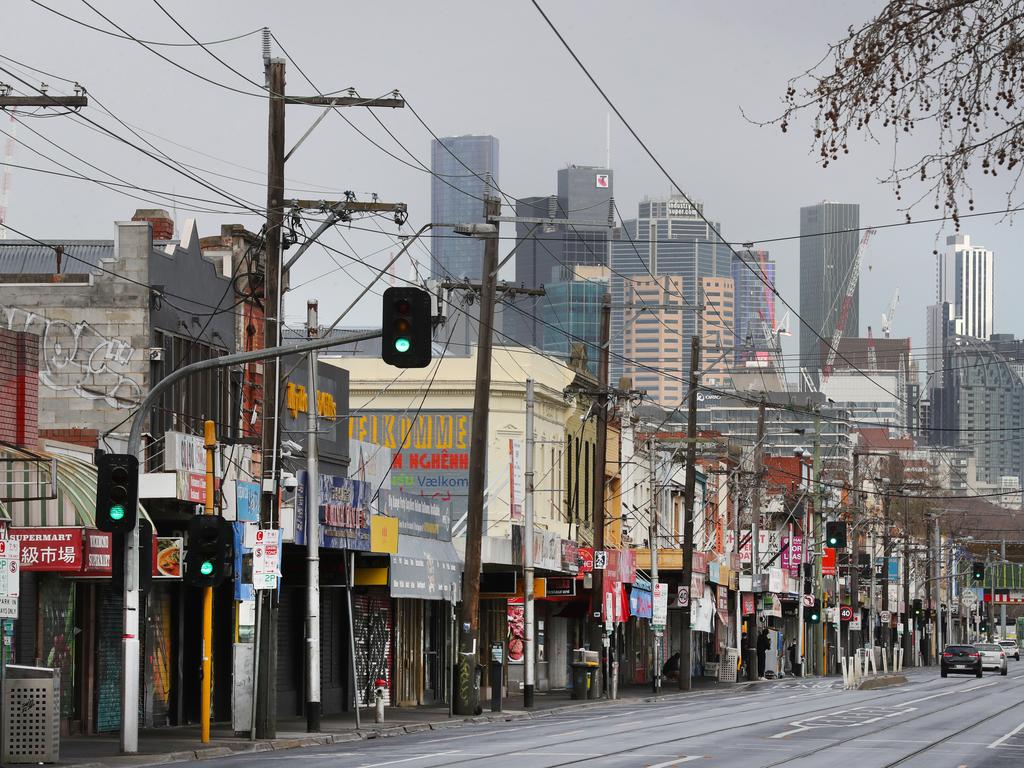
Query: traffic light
(117, 492)
(406, 328)
(835, 534)
(918, 608)
(208, 558)
(978, 570)
(812, 613)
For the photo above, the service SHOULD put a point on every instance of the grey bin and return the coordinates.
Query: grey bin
(31, 715)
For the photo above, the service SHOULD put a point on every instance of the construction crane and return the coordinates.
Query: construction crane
(773, 338)
(890, 314)
(872, 354)
(844, 311)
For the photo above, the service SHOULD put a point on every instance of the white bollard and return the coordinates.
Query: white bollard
(885, 662)
(852, 664)
(842, 663)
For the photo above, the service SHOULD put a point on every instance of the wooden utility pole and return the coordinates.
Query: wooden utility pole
(689, 493)
(600, 494)
(265, 652)
(467, 693)
(753, 668)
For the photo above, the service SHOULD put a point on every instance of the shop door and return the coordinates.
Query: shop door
(558, 647)
(410, 657)
(435, 649)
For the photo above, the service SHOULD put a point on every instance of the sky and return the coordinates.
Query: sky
(683, 74)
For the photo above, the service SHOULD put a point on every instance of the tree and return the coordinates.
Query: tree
(950, 70)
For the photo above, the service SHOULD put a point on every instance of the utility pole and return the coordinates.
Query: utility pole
(818, 540)
(267, 599)
(467, 694)
(652, 540)
(689, 494)
(265, 652)
(312, 532)
(753, 670)
(529, 671)
(990, 572)
(733, 483)
(887, 548)
(908, 618)
(853, 534)
(597, 634)
(206, 685)
(1002, 607)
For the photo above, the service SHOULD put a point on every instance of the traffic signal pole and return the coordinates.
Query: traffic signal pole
(206, 689)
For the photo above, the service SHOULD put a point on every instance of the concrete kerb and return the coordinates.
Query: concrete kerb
(881, 681)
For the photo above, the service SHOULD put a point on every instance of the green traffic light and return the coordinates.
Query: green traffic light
(206, 568)
(117, 512)
(402, 344)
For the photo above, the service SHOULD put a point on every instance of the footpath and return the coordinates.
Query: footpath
(159, 746)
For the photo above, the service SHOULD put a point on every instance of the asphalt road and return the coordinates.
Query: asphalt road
(959, 722)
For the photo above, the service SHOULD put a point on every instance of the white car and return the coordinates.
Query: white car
(1010, 648)
(992, 657)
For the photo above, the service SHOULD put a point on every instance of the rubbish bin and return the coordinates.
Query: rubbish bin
(581, 672)
(593, 689)
(31, 715)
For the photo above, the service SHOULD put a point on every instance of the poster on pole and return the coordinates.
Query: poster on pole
(659, 609)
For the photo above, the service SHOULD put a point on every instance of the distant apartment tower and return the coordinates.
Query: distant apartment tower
(671, 279)
(829, 239)
(965, 281)
(465, 171)
(753, 277)
(550, 252)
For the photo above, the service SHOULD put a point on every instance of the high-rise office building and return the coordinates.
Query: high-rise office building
(465, 171)
(671, 279)
(829, 239)
(572, 310)
(965, 281)
(753, 275)
(544, 253)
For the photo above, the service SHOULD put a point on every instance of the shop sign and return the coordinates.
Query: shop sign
(98, 549)
(560, 587)
(586, 560)
(191, 487)
(659, 608)
(600, 560)
(714, 572)
(697, 583)
(184, 453)
(748, 603)
(700, 562)
(723, 599)
(417, 515)
(383, 534)
(169, 554)
(570, 556)
(430, 451)
(515, 615)
(828, 561)
(266, 559)
(640, 602)
(57, 550)
(792, 553)
(775, 580)
(247, 501)
(616, 606)
(344, 512)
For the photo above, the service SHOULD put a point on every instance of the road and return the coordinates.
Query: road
(959, 722)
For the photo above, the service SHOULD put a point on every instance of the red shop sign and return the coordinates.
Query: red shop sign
(50, 549)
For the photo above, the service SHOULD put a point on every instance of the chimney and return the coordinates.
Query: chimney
(163, 224)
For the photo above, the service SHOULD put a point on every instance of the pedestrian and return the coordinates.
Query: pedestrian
(763, 644)
(792, 658)
(670, 669)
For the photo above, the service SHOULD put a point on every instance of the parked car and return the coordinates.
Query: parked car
(960, 660)
(1011, 648)
(992, 657)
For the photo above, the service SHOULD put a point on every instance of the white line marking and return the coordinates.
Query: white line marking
(677, 761)
(784, 734)
(1007, 736)
(947, 693)
(410, 759)
(485, 733)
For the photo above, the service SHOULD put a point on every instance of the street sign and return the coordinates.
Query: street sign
(845, 613)
(970, 599)
(659, 611)
(683, 596)
(266, 559)
(885, 617)
(808, 601)
(855, 622)
(10, 568)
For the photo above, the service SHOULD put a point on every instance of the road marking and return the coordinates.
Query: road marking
(677, 761)
(948, 693)
(1006, 736)
(486, 733)
(410, 759)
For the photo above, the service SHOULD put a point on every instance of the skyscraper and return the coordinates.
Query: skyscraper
(829, 239)
(544, 254)
(457, 191)
(965, 280)
(671, 279)
(755, 303)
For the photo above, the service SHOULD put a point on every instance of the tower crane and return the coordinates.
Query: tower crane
(890, 314)
(844, 311)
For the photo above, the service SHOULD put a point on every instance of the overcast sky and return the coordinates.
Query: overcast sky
(679, 71)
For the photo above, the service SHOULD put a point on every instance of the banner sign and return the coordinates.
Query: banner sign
(417, 516)
(247, 501)
(828, 561)
(516, 480)
(344, 512)
(792, 554)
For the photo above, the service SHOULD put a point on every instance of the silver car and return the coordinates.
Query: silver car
(992, 657)
(1010, 648)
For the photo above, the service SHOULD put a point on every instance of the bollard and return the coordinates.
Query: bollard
(885, 661)
(846, 681)
(613, 687)
(378, 703)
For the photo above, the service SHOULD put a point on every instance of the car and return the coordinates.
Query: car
(960, 660)
(992, 657)
(1011, 648)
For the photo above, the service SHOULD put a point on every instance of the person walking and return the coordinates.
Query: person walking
(763, 644)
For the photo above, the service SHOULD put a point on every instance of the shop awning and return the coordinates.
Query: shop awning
(42, 489)
(427, 569)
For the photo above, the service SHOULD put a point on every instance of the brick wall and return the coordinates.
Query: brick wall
(19, 388)
(85, 437)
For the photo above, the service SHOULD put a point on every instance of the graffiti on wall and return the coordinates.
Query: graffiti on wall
(77, 357)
